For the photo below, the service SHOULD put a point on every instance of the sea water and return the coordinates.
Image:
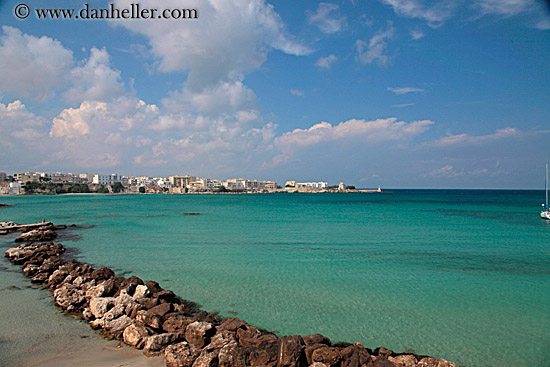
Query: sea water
(457, 274)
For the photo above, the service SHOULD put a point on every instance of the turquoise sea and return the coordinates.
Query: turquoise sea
(457, 274)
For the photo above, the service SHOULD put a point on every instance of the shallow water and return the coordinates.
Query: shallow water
(458, 274)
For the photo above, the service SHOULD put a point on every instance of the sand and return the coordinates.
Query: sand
(110, 354)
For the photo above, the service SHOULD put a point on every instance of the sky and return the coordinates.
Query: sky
(398, 93)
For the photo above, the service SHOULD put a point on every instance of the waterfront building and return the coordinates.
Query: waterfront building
(313, 185)
(3, 176)
(106, 179)
(27, 176)
(235, 184)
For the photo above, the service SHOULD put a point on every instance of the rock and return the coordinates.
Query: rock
(69, 297)
(153, 286)
(117, 326)
(263, 356)
(327, 355)
(404, 360)
(290, 352)
(221, 339)
(354, 355)
(207, 359)
(318, 364)
(155, 344)
(37, 235)
(56, 278)
(87, 314)
(381, 351)
(231, 324)
(96, 291)
(205, 317)
(316, 339)
(232, 355)
(134, 335)
(166, 295)
(102, 274)
(309, 349)
(434, 362)
(383, 362)
(181, 355)
(141, 291)
(114, 313)
(249, 336)
(100, 305)
(149, 319)
(199, 333)
(175, 322)
(161, 309)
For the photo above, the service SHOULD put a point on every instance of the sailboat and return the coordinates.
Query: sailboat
(545, 213)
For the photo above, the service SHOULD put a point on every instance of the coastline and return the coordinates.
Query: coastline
(162, 323)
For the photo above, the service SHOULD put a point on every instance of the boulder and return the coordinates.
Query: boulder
(134, 335)
(155, 344)
(327, 355)
(221, 339)
(404, 360)
(354, 355)
(249, 336)
(181, 355)
(175, 322)
(199, 333)
(69, 297)
(150, 319)
(117, 326)
(37, 235)
(100, 305)
(207, 358)
(316, 339)
(161, 309)
(231, 324)
(102, 274)
(153, 286)
(434, 362)
(232, 355)
(290, 352)
(383, 362)
(141, 291)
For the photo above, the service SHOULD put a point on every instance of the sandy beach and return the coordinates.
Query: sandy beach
(110, 354)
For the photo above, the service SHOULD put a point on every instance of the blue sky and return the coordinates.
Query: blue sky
(401, 93)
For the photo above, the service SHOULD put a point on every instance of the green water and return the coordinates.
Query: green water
(458, 274)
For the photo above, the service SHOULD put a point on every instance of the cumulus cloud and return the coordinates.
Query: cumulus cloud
(434, 12)
(94, 134)
(405, 90)
(326, 19)
(374, 50)
(231, 39)
(462, 139)
(95, 80)
(32, 66)
(19, 123)
(326, 62)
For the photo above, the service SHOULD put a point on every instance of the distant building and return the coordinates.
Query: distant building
(27, 176)
(235, 184)
(3, 176)
(85, 178)
(342, 186)
(62, 178)
(182, 181)
(106, 179)
(290, 184)
(313, 185)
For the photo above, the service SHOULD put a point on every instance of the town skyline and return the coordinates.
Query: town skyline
(398, 93)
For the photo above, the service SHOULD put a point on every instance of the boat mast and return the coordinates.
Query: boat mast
(546, 184)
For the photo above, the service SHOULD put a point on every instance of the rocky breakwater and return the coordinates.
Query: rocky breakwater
(148, 317)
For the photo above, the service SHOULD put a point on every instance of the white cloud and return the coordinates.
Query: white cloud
(434, 12)
(326, 62)
(374, 50)
(19, 123)
(503, 7)
(325, 19)
(463, 139)
(95, 80)
(32, 66)
(543, 25)
(416, 34)
(403, 105)
(96, 134)
(405, 90)
(375, 130)
(297, 92)
(231, 39)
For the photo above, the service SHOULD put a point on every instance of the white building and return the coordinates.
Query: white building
(106, 179)
(313, 185)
